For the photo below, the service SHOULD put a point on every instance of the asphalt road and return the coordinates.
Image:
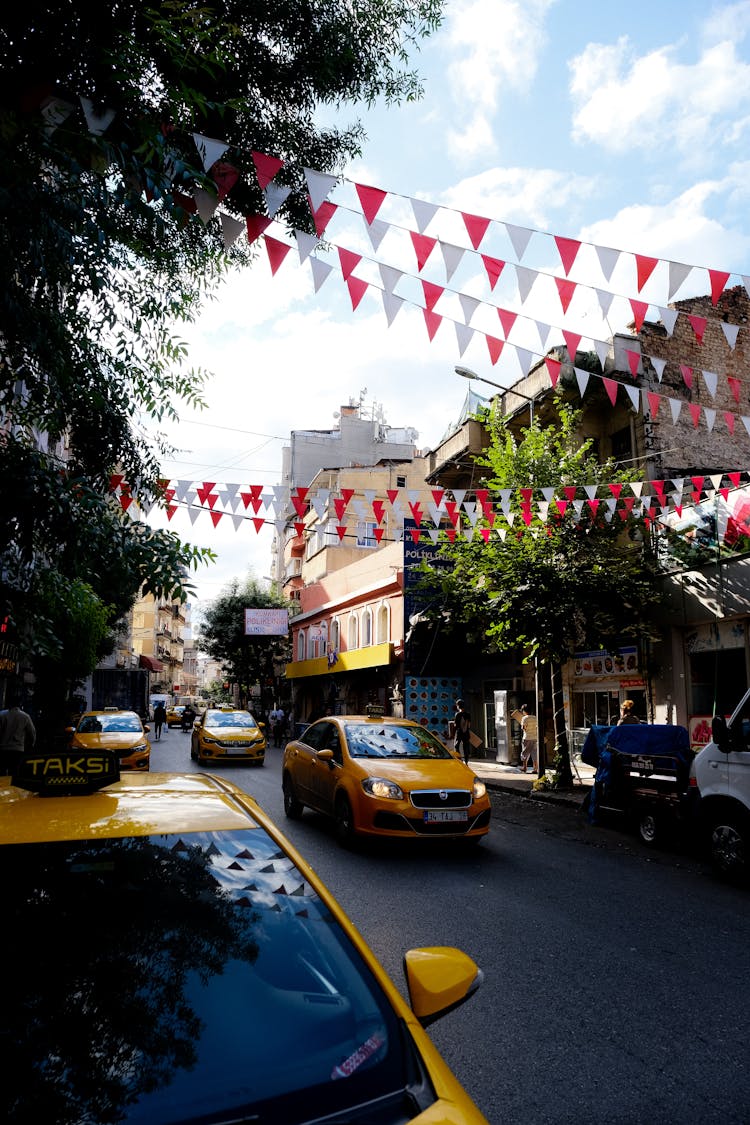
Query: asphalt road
(615, 976)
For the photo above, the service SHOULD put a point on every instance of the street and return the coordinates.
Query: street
(615, 976)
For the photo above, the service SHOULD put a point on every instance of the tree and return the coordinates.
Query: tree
(247, 660)
(103, 255)
(557, 586)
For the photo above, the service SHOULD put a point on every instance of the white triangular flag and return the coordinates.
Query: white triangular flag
(526, 279)
(519, 236)
(423, 213)
(464, 336)
(96, 122)
(377, 231)
(452, 256)
(608, 259)
(231, 229)
(320, 271)
(209, 150)
(712, 380)
(275, 196)
(392, 304)
(306, 243)
(677, 274)
(319, 187)
(469, 306)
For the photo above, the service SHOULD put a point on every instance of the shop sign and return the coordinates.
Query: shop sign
(603, 663)
(699, 729)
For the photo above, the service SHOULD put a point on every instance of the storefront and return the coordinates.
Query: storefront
(598, 682)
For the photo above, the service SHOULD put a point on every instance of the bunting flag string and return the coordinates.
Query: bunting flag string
(376, 520)
(215, 157)
(648, 402)
(566, 288)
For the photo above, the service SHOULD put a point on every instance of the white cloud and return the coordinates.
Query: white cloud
(497, 44)
(624, 101)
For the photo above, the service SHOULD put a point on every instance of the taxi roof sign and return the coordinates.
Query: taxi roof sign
(65, 773)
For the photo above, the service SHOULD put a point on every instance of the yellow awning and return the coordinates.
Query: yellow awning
(374, 656)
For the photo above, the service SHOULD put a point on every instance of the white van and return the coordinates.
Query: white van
(721, 774)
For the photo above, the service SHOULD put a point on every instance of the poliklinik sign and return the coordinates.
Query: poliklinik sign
(266, 622)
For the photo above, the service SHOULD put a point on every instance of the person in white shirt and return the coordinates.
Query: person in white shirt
(17, 735)
(528, 740)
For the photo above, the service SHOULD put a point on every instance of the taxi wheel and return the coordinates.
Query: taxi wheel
(193, 752)
(292, 807)
(344, 821)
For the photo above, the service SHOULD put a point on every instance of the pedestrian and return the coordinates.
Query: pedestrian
(160, 718)
(278, 725)
(17, 735)
(462, 730)
(188, 718)
(528, 740)
(627, 713)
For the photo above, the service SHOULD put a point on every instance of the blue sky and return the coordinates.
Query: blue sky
(620, 125)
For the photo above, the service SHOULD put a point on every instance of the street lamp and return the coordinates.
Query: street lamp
(467, 373)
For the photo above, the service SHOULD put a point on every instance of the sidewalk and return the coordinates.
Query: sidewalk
(498, 775)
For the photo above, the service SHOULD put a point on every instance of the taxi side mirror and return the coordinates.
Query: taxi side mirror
(326, 756)
(439, 979)
(146, 728)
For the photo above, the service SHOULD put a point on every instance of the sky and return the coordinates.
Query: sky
(624, 126)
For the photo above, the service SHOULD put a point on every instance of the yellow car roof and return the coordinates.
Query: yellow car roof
(133, 806)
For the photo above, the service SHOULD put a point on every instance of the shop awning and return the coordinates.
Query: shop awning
(151, 663)
(373, 656)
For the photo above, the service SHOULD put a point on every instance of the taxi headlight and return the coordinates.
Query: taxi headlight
(479, 789)
(381, 787)
(208, 738)
(140, 746)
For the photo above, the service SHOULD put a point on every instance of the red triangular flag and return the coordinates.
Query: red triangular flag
(507, 319)
(277, 251)
(699, 326)
(357, 289)
(476, 228)
(718, 281)
(423, 247)
(433, 321)
(349, 261)
(734, 385)
(340, 507)
(735, 479)
(341, 532)
(432, 293)
(258, 523)
(299, 528)
(392, 494)
(695, 412)
(615, 489)
(653, 403)
(371, 199)
(495, 347)
(323, 216)
(485, 533)
(172, 508)
(646, 267)
(266, 167)
(378, 532)
(451, 533)
(438, 494)
(687, 375)
(416, 511)
(729, 419)
(572, 340)
(347, 494)
(415, 533)
(494, 267)
(300, 505)
(565, 290)
(225, 177)
(115, 481)
(634, 358)
(256, 224)
(567, 249)
(215, 517)
(610, 386)
(640, 308)
(553, 369)
(377, 508)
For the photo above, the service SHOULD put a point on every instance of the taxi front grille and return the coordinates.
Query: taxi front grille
(441, 798)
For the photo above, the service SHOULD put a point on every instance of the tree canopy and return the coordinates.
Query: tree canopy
(247, 660)
(103, 256)
(551, 587)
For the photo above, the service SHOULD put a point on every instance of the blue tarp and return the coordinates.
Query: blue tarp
(637, 738)
(667, 746)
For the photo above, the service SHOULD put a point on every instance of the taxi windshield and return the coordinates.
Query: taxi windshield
(229, 719)
(107, 724)
(386, 740)
(184, 978)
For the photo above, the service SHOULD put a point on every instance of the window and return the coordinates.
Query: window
(301, 645)
(400, 482)
(366, 628)
(317, 638)
(335, 635)
(382, 624)
(352, 640)
(366, 534)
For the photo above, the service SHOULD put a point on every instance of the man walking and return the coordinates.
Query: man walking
(462, 736)
(17, 735)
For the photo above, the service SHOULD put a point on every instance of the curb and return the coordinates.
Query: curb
(570, 800)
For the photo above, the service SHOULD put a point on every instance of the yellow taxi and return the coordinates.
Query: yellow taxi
(174, 716)
(184, 964)
(227, 733)
(122, 732)
(383, 777)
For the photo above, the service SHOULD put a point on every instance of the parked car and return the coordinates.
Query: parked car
(121, 732)
(720, 780)
(383, 777)
(174, 959)
(227, 733)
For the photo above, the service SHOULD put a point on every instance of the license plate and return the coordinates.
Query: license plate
(444, 816)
